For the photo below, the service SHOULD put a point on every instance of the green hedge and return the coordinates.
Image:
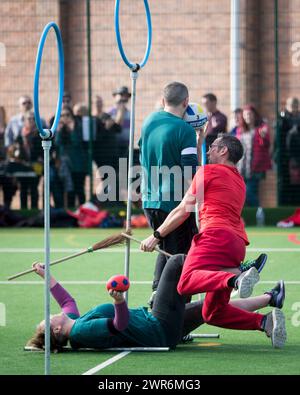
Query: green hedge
(272, 215)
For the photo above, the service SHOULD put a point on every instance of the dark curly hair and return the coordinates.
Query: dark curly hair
(234, 146)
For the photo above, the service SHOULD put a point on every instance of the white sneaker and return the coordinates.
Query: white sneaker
(246, 281)
(275, 328)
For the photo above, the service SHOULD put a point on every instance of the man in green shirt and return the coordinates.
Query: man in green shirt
(168, 155)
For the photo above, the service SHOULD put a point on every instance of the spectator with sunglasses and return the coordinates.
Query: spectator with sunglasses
(6, 183)
(16, 123)
(31, 156)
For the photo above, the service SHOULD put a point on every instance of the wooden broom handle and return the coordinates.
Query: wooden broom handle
(66, 258)
(139, 241)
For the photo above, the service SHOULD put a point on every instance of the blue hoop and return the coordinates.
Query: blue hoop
(45, 133)
(133, 66)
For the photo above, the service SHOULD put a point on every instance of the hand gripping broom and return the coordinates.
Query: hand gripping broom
(108, 242)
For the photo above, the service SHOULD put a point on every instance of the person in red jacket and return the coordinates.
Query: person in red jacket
(220, 192)
(254, 135)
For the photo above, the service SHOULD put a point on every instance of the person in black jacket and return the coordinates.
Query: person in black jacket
(289, 118)
(105, 149)
(30, 155)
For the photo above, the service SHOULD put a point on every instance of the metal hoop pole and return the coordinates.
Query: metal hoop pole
(131, 65)
(134, 67)
(46, 133)
(46, 144)
(134, 76)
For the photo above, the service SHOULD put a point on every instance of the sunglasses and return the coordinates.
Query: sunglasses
(26, 102)
(215, 146)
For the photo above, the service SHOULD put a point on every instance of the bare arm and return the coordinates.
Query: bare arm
(121, 109)
(178, 215)
(173, 220)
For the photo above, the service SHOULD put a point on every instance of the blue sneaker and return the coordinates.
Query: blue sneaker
(258, 263)
(277, 295)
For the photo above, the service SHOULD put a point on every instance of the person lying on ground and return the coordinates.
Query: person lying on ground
(114, 325)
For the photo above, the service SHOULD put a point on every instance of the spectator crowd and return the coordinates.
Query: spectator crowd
(21, 153)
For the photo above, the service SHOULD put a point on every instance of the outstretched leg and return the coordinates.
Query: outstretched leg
(275, 298)
(168, 305)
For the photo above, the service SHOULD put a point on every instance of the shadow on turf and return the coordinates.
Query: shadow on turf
(244, 348)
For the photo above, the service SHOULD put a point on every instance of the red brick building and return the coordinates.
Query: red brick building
(191, 43)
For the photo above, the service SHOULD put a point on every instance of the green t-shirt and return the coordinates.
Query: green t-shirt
(91, 330)
(163, 141)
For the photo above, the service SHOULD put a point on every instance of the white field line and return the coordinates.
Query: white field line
(122, 354)
(106, 363)
(68, 250)
(87, 282)
(119, 250)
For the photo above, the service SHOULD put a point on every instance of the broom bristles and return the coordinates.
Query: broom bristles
(110, 241)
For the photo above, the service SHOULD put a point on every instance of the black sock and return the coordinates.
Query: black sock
(270, 294)
(231, 281)
(263, 322)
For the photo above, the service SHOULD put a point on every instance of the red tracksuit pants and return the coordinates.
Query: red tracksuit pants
(210, 251)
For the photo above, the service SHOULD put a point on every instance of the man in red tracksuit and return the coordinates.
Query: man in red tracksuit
(213, 260)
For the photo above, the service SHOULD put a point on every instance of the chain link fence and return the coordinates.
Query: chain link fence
(192, 43)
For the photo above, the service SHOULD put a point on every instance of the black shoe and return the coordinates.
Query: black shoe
(258, 263)
(277, 295)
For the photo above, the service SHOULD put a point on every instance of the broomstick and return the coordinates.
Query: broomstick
(128, 236)
(108, 242)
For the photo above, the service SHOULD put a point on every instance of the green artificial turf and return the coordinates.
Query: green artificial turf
(236, 352)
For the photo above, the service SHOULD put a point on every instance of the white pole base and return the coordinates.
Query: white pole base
(205, 335)
(141, 349)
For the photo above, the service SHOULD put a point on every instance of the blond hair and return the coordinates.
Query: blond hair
(38, 341)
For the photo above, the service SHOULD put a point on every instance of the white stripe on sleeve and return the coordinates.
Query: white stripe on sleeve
(189, 151)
